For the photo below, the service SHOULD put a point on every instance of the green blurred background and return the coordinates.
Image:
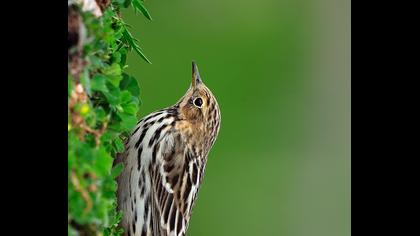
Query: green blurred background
(280, 70)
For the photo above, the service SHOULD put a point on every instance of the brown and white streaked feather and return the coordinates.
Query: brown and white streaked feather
(164, 165)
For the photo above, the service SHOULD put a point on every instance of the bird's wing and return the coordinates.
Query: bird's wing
(175, 181)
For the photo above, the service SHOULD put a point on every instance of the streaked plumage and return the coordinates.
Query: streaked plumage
(164, 163)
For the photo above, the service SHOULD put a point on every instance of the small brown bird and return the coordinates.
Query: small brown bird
(164, 163)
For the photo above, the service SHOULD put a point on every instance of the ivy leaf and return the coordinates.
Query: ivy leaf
(103, 162)
(119, 108)
(127, 121)
(130, 84)
(116, 170)
(98, 83)
(96, 62)
(125, 97)
(116, 104)
(100, 114)
(107, 137)
(113, 72)
(129, 108)
(138, 5)
(113, 95)
(116, 57)
(119, 145)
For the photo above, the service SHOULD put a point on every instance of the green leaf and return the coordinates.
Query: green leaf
(100, 114)
(119, 108)
(125, 97)
(96, 62)
(123, 52)
(116, 57)
(85, 81)
(129, 39)
(113, 73)
(135, 100)
(119, 145)
(129, 108)
(127, 121)
(98, 83)
(113, 95)
(107, 137)
(103, 162)
(121, 2)
(127, 3)
(116, 170)
(115, 101)
(138, 5)
(130, 84)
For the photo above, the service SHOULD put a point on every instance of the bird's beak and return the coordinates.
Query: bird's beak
(196, 79)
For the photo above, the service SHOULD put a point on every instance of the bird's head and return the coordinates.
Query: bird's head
(198, 104)
(198, 107)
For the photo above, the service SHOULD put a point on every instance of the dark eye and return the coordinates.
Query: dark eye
(198, 102)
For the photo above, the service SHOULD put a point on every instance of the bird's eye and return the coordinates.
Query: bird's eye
(198, 102)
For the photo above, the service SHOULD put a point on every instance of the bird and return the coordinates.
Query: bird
(164, 163)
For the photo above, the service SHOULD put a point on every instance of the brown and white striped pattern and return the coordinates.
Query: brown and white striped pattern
(164, 164)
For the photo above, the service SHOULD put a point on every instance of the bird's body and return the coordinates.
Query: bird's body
(164, 164)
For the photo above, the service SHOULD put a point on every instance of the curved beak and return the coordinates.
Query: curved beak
(196, 79)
